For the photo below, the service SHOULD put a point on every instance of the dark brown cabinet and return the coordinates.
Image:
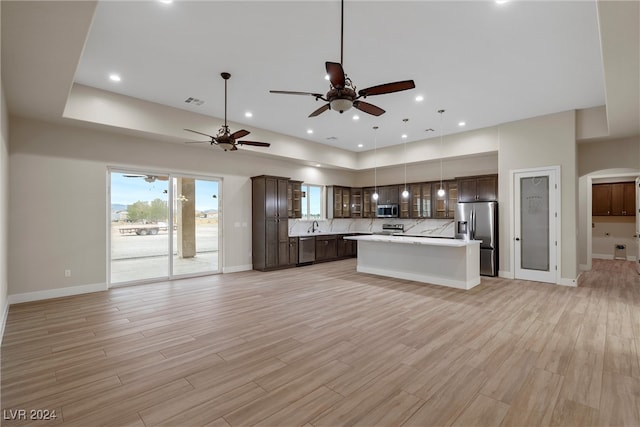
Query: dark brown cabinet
(421, 200)
(404, 205)
(388, 195)
(478, 189)
(346, 248)
(293, 251)
(338, 202)
(356, 203)
(294, 199)
(445, 206)
(616, 199)
(368, 204)
(270, 225)
(326, 248)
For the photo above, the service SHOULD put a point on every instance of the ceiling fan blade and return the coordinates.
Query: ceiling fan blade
(254, 143)
(320, 110)
(336, 74)
(196, 142)
(134, 176)
(195, 131)
(288, 92)
(239, 134)
(387, 88)
(368, 108)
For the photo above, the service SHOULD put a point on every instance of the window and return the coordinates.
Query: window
(311, 202)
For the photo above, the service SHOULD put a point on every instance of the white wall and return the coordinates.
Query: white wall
(609, 231)
(58, 190)
(532, 143)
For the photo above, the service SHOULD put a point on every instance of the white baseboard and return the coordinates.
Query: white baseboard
(56, 293)
(237, 268)
(567, 282)
(608, 256)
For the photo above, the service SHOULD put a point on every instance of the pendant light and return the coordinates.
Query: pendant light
(374, 196)
(405, 193)
(441, 191)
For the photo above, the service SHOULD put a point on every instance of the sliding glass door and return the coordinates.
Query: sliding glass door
(162, 226)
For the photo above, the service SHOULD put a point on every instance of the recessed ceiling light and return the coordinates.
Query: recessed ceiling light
(360, 145)
(462, 124)
(404, 136)
(356, 117)
(248, 114)
(115, 77)
(166, 1)
(309, 131)
(318, 165)
(419, 98)
(502, 1)
(326, 77)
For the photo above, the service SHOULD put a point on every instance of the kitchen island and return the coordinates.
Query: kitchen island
(440, 261)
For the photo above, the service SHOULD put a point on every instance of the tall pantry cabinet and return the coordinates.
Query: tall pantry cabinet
(270, 225)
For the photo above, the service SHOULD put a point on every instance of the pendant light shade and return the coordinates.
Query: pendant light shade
(441, 191)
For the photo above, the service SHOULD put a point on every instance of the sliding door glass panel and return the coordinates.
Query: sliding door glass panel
(139, 227)
(534, 223)
(195, 216)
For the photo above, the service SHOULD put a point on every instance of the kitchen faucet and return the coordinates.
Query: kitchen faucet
(314, 226)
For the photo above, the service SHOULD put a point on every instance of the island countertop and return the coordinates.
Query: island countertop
(414, 240)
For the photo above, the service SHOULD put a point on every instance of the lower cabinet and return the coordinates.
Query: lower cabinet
(347, 248)
(293, 251)
(326, 248)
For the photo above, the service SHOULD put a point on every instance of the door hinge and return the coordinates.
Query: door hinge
(556, 214)
(555, 186)
(556, 242)
(556, 268)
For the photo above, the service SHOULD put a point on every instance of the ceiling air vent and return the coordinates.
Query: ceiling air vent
(194, 101)
(332, 138)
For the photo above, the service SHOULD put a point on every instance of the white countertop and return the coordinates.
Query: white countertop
(431, 241)
(327, 233)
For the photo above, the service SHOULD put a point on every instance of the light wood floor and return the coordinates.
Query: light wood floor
(325, 346)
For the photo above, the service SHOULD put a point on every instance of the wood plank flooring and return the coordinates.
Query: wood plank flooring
(323, 345)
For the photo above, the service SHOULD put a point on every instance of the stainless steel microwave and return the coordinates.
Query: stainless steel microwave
(387, 211)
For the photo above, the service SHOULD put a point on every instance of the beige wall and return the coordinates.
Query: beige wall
(534, 143)
(58, 190)
(4, 203)
(614, 158)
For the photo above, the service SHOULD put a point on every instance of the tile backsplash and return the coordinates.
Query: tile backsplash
(425, 227)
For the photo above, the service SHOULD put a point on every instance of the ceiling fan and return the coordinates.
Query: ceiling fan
(225, 139)
(148, 178)
(342, 93)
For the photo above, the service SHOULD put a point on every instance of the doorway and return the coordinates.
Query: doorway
(535, 248)
(162, 226)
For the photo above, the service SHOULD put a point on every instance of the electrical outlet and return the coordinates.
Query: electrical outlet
(67, 273)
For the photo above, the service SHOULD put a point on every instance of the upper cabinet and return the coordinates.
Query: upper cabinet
(388, 195)
(420, 199)
(356, 203)
(294, 199)
(338, 202)
(617, 199)
(445, 206)
(478, 189)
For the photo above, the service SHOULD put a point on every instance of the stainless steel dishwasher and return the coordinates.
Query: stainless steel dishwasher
(306, 249)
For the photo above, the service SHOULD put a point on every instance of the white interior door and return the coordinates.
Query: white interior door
(638, 223)
(535, 241)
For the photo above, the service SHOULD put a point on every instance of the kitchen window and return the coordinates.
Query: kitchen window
(312, 202)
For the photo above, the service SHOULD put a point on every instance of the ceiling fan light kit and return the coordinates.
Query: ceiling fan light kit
(342, 94)
(224, 138)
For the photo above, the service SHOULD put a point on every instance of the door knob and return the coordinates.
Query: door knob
(517, 239)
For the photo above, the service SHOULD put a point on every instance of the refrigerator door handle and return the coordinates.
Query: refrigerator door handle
(473, 225)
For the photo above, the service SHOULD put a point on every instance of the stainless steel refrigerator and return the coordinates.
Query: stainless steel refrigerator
(479, 221)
